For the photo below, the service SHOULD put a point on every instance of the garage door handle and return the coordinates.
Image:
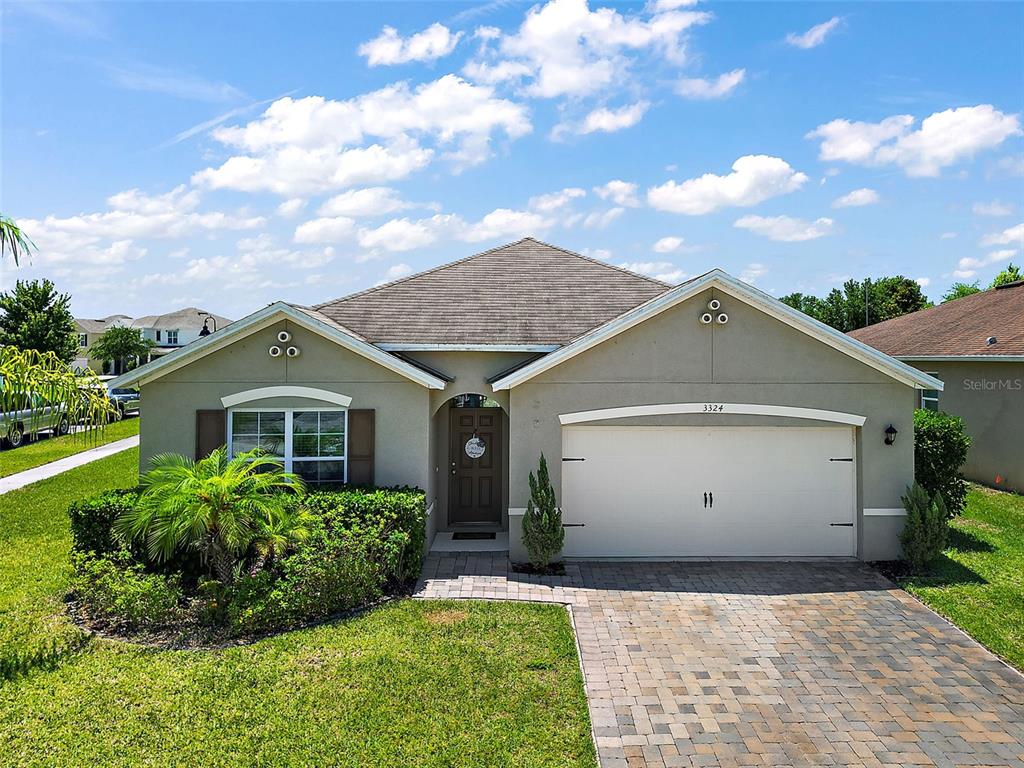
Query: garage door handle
(705, 499)
(574, 525)
(711, 499)
(841, 525)
(850, 459)
(566, 459)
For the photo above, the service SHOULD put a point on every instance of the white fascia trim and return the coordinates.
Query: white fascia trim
(399, 347)
(261, 319)
(885, 512)
(902, 372)
(962, 358)
(264, 393)
(712, 409)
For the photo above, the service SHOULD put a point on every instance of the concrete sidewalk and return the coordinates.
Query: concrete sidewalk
(34, 475)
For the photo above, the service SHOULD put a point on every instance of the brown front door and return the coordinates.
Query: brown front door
(474, 465)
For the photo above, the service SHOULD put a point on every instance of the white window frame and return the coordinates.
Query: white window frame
(83, 340)
(289, 414)
(930, 399)
(167, 336)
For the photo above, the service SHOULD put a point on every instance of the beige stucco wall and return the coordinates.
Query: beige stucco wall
(671, 358)
(402, 408)
(989, 397)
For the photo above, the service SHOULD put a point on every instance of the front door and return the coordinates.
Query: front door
(474, 464)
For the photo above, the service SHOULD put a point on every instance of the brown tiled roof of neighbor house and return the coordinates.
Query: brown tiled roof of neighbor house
(959, 327)
(527, 292)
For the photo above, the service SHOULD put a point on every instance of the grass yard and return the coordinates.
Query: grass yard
(43, 450)
(412, 683)
(978, 583)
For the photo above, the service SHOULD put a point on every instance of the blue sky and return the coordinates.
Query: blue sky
(226, 155)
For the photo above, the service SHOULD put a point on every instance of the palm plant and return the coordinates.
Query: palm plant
(218, 506)
(13, 240)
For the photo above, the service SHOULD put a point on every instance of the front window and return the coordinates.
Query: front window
(930, 397)
(310, 443)
(172, 337)
(83, 340)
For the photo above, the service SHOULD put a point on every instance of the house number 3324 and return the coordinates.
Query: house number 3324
(713, 407)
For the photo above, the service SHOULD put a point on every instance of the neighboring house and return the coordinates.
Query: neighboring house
(975, 345)
(705, 419)
(89, 332)
(168, 332)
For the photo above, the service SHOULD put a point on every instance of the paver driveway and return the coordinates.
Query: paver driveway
(765, 664)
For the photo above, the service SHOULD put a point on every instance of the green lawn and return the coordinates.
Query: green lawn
(46, 449)
(409, 684)
(978, 583)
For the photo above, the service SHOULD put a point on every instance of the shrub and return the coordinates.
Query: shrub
(543, 533)
(926, 528)
(313, 583)
(92, 520)
(940, 449)
(117, 589)
(392, 522)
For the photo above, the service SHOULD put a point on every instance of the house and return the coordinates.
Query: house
(167, 332)
(976, 345)
(701, 420)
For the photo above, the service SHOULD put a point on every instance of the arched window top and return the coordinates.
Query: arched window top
(264, 393)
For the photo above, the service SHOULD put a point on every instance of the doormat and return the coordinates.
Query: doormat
(471, 535)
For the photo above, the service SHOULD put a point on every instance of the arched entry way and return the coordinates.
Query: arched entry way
(472, 446)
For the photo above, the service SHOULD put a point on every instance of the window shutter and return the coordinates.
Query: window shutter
(360, 446)
(211, 431)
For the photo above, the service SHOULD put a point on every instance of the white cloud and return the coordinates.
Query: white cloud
(1010, 236)
(752, 272)
(924, 282)
(786, 229)
(620, 192)
(133, 214)
(669, 5)
(313, 144)
(719, 88)
(556, 200)
(943, 139)
(565, 49)
(947, 235)
(183, 86)
(394, 272)
(754, 178)
(604, 120)
(665, 271)
(365, 202)
(968, 266)
(290, 208)
(602, 254)
(667, 245)
(857, 198)
(993, 208)
(814, 36)
(503, 222)
(601, 219)
(329, 229)
(1011, 165)
(391, 48)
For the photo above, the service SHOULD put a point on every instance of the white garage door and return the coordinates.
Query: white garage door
(708, 491)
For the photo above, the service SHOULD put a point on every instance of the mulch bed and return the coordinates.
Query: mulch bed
(555, 569)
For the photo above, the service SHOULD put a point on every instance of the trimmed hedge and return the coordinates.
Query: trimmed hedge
(117, 589)
(940, 449)
(361, 544)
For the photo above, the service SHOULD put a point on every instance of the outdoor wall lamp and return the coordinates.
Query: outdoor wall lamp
(205, 331)
(890, 434)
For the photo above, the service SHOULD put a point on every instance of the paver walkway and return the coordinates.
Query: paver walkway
(775, 664)
(34, 475)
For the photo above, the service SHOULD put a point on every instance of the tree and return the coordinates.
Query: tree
(543, 534)
(1009, 275)
(844, 309)
(13, 240)
(959, 290)
(121, 346)
(36, 317)
(218, 506)
(32, 380)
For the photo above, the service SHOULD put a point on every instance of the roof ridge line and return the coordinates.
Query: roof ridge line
(399, 280)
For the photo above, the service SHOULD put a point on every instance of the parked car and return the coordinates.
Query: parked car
(20, 425)
(125, 400)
